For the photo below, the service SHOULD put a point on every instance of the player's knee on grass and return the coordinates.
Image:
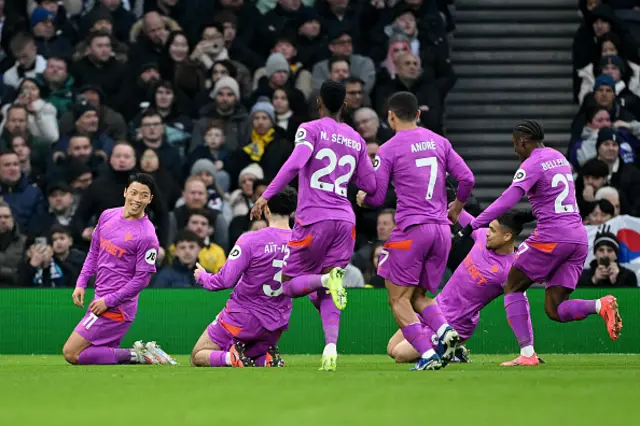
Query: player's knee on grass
(403, 353)
(393, 342)
(72, 348)
(70, 354)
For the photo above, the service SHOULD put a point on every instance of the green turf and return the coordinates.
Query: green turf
(366, 390)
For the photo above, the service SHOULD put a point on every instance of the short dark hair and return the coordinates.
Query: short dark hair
(233, 70)
(605, 206)
(529, 130)
(515, 219)
(332, 94)
(595, 168)
(97, 34)
(151, 112)
(200, 212)
(19, 41)
(187, 236)
(143, 179)
(25, 136)
(592, 111)
(404, 105)
(390, 211)
(353, 80)
(59, 229)
(284, 203)
(259, 182)
(217, 23)
(80, 135)
(7, 151)
(338, 58)
(13, 107)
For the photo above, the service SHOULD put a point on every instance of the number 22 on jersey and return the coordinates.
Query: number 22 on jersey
(340, 184)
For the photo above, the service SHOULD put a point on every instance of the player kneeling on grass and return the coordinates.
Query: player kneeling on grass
(123, 255)
(246, 332)
(474, 284)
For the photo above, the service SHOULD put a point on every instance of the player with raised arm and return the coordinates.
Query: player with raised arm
(414, 257)
(475, 283)
(247, 330)
(327, 156)
(122, 255)
(556, 251)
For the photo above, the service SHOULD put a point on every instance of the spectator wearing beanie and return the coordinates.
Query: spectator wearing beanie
(614, 66)
(311, 40)
(122, 19)
(242, 199)
(101, 19)
(278, 76)
(604, 270)
(205, 170)
(86, 121)
(224, 104)
(266, 145)
(48, 41)
(591, 178)
(589, 148)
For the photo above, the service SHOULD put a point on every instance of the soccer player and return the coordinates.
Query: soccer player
(415, 255)
(327, 156)
(247, 330)
(556, 251)
(123, 255)
(475, 283)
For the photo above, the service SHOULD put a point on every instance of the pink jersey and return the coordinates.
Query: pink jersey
(547, 179)
(328, 155)
(417, 162)
(122, 255)
(255, 264)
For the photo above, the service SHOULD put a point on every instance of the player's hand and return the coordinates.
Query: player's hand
(360, 198)
(259, 208)
(199, 270)
(98, 307)
(454, 211)
(462, 234)
(613, 270)
(78, 297)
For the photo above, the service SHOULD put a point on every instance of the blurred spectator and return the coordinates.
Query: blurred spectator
(339, 68)
(278, 76)
(216, 199)
(244, 56)
(211, 256)
(248, 19)
(122, 19)
(187, 73)
(340, 43)
(266, 146)
(86, 121)
(33, 167)
(224, 104)
(12, 245)
(150, 163)
(107, 191)
(612, 195)
(49, 41)
(28, 62)
(591, 178)
(241, 200)
(596, 117)
(212, 149)
(604, 270)
(52, 262)
(626, 76)
(385, 224)
(355, 99)
(79, 177)
(42, 116)
(602, 211)
(62, 204)
(56, 85)
(180, 273)
(99, 19)
(311, 40)
(337, 15)
(283, 18)
(26, 200)
(286, 119)
(148, 36)
(138, 94)
(79, 149)
(353, 278)
(367, 123)
(110, 123)
(153, 136)
(375, 280)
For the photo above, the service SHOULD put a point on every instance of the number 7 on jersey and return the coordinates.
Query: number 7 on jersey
(432, 163)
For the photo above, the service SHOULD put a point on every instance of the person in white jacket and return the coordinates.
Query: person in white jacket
(28, 62)
(42, 120)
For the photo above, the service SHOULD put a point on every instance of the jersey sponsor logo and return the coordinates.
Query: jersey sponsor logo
(519, 176)
(235, 253)
(376, 162)
(150, 256)
(474, 272)
(111, 248)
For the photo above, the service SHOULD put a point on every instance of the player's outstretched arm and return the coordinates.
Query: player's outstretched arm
(298, 158)
(465, 218)
(457, 168)
(507, 200)
(237, 263)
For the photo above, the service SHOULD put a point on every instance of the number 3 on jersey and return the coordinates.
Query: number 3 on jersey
(340, 184)
(277, 263)
(432, 163)
(559, 206)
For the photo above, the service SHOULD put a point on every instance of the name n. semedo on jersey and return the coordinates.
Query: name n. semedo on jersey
(342, 140)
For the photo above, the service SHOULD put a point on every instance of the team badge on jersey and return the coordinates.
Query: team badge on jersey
(150, 256)
(301, 135)
(376, 163)
(235, 253)
(519, 176)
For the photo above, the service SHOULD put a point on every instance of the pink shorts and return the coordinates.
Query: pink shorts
(554, 264)
(107, 329)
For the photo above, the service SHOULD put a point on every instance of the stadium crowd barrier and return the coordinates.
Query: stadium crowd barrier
(38, 321)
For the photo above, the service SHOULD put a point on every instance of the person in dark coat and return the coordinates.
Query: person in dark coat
(180, 273)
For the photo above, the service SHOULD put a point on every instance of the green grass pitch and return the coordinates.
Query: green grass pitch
(569, 390)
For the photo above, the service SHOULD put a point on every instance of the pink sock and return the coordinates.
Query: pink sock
(218, 359)
(330, 316)
(433, 318)
(302, 285)
(519, 317)
(576, 309)
(415, 335)
(103, 355)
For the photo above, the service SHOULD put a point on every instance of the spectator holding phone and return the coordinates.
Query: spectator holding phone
(604, 270)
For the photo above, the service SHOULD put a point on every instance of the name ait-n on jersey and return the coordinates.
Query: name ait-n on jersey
(342, 140)
(275, 248)
(423, 146)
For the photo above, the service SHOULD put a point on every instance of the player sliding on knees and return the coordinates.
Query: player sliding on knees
(327, 156)
(556, 251)
(246, 332)
(415, 255)
(474, 284)
(123, 255)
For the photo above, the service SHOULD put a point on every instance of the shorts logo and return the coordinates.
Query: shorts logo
(376, 163)
(235, 253)
(519, 176)
(150, 256)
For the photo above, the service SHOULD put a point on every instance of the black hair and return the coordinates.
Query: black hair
(201, 212)
(605, 206)
(25, 136)
(338, 58)
(7, 151)
(332, 94)
(404, 105)
(59, 229)
(284, 203)
(595, 167)
(188, 236)
(216, 23)
(231, 68)
(259, 182)
(97, 34)
(592, 111)
(353, 80)
(529, 130)
(151, 112)
(515, 220)
(143, 179)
